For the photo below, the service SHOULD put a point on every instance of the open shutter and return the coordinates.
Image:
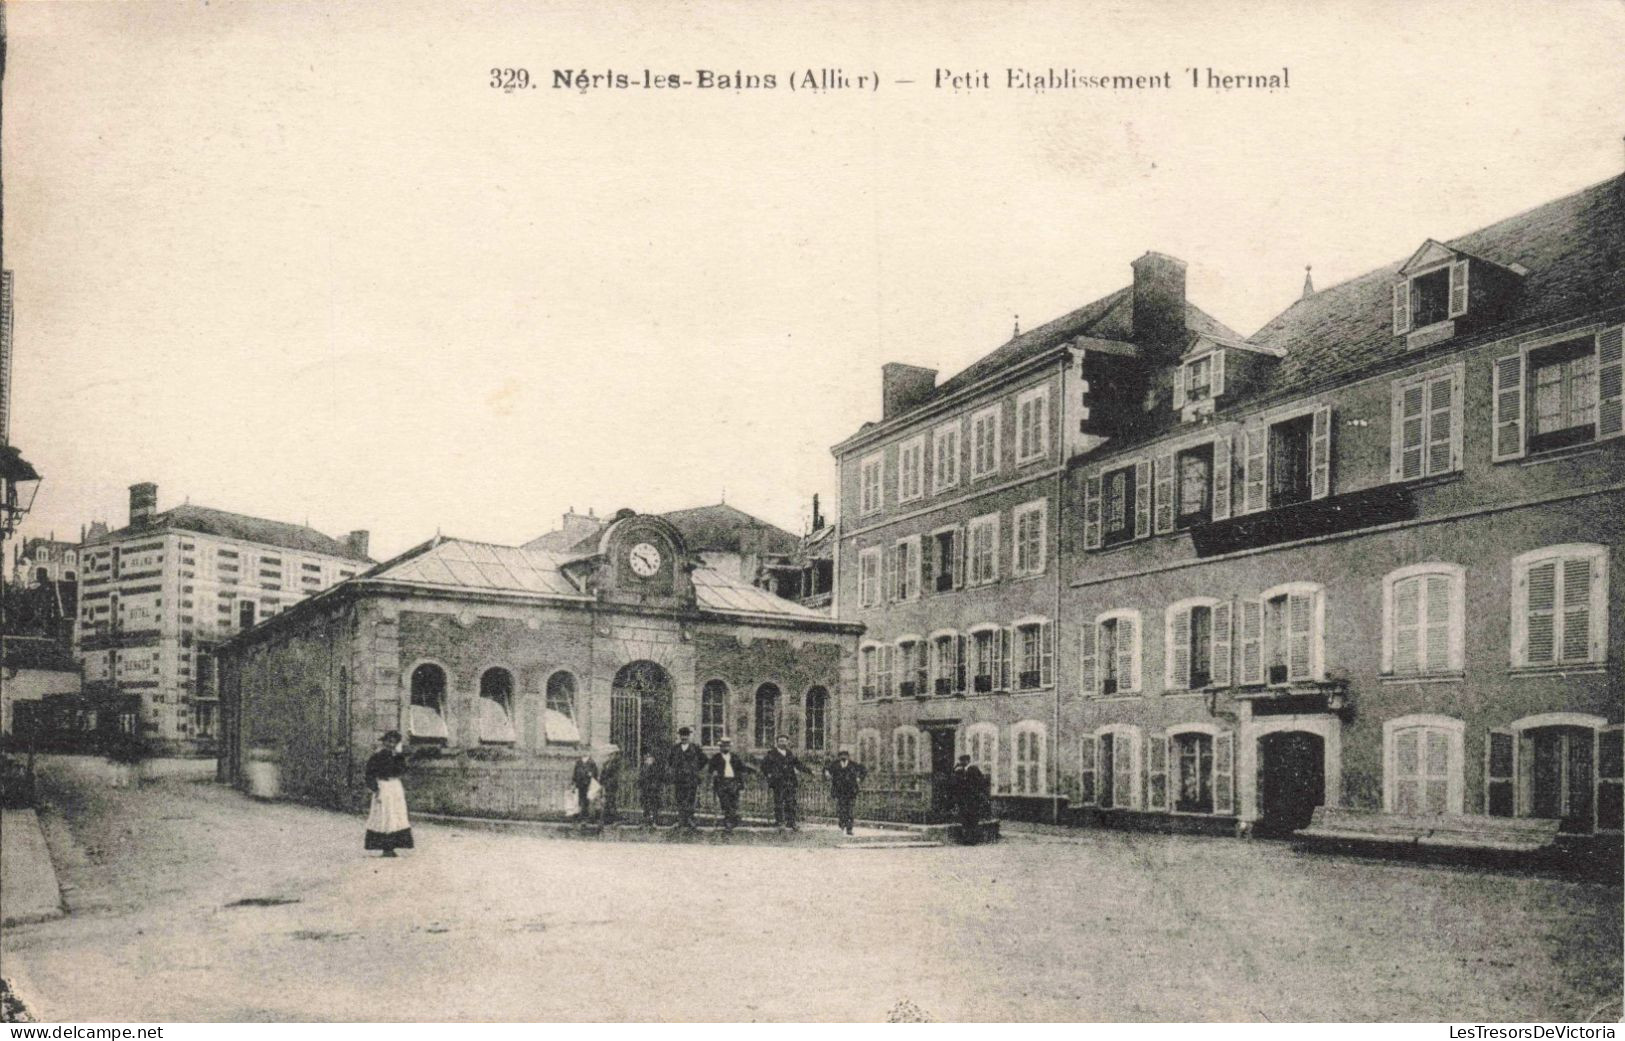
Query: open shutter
(1088, 756)
(1088, 675)
(1091, 512)
(1224, 773)
(1539, 605)
(958, 562)
(995, 666)
(1181, 374)
(928, 565)
(1499, 773)
(884, 682)
(1458, 289)
(1125, 771)
(1254, 467)
(1165, 493)
(1218, 374)
(889, 580)
(1402, 307)
(1142, 499)
(1252, 643)
(1006, 645)
(961, 646)
(1610, 370)
(1407, 644)
(1179, 651)
(1507, 409)
(1405, 448)
(1156, 770)
(1222, 621)
(1320, 455)
(1128, 656)
(1300, 636)
(1046, 664)
(1221, 478)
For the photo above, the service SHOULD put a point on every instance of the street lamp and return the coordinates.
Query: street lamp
(19, 483)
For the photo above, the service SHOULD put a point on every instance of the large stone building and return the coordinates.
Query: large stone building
(1360, 558)
(502, 663)
(158, 595)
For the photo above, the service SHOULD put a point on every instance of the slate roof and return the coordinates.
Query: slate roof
(719, 528)
(1571, 248)
(206, 521)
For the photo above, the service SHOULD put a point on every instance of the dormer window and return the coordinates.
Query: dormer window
(1431, 291)
(1199, 379)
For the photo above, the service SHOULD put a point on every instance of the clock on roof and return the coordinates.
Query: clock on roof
(644, 559)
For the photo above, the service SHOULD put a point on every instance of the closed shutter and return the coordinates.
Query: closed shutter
(888, 582)
(1499, 774)
(1458, 289)
(958, 555)
(1125, 792)
(1436, 600)
(1252, 643)
(1128, 658)
(1610, 394)
(1320, 455)
(1409, 420)
(1402, 307)
(1406, 789)
(1088, 675)
(1181, 375)
(1218, 373)
(1224, 774)
(1156, 769)
(1300, 636)
(1576, 609)
(1507, 408)
(1443, 453)
(1165, 492)
(1407, 626)
(1142, 499)
(1179, 651)
(1091, 512)
(1540, 602)
(1254, 470)
(1222, 622)
(1088, 755)
(1046, 665)
(1221, 477)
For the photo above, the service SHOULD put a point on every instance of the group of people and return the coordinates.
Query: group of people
(686, 766)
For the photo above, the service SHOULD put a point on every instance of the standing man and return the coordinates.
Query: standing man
(686, 764)
(845, 777)
(779, 766)
(728, 777)
(581, 778)
(609, 777)
(970, 791)
(650, 780)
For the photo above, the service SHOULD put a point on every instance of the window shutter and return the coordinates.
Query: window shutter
(1499, 770)
(961, 663)
(1405, 448)
(1402, 307)
(1181, 375)
(1046, 667)
(1252, 643)
(958, 561)
(1179, 651)
(1458, 289)
(1300, 636)
(1217, 389)
(1124, 768)
(1007, 643)
(1091, 512)
(1165, 493)
(1224, 774)
(1222, 613)
(1436, 600)
(889, 582)
(1576, 609)
(1320, 455)
(1088, 756)
(1442, 451)
(1254, 466)
(1507, 408)
(884, 653)
(1128, 656)
(1142, 499)
(1156, 768)
(928, 565)
(995, 646)
(1221, 477)
(1407, 626)
(1088, 675)
(1610, 372)
(1540, 602)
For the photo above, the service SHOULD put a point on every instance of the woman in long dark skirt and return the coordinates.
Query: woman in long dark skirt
(388, 828)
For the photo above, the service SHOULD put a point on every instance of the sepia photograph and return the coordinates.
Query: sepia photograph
(712, 512)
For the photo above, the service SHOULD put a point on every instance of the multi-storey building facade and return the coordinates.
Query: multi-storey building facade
(1360, 558)
(40, 561)
(158, 596)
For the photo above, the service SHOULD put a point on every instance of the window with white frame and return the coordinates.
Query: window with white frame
(885, 671)
(905, 750)
(1198, 635)
(869, 671)
(1561, 765)
(982, 552)
(1118, 489)
(1425, 439)
(1554, 395)
(1200, 764)
(1109, 654)
(946, 559)
(869, 748)
(1032, 425)
(945, 455)
(986, 649)
(1034, 647)
(714, 712)
(1287, 461)
(426, 720)
(947, 663)
(1281, 634)
(1431, 296)
(911, 469)
(1110, 768)
(982, 745)
(1027, 758)
(1422, 764)
(1422, 630)
(1029, 521)
(912, 667)
(496, 707)
(984, 442)
(908, 569)
(869, 576)
(1560, 606)
(870, 481)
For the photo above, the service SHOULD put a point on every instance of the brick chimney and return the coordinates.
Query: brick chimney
(904, 386)
(356, 543)
(1159, 303)
(143, 503)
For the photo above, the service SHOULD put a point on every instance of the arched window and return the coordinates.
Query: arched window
(1109, 654)
(982, 745)
(713, 713)
(816, 722)
(1422, 623)
(905, 750)
(767, 714)
(1027, 758)
(496, 707)
(1560, 606)
(427, 719)
(1196, 636)
(1110, 771)
(1192, 770)
(1422, 764)
(559, 718)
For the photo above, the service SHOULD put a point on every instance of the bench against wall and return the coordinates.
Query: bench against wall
(1445, 830)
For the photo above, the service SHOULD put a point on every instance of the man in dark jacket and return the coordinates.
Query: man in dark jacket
(845, 777)
(609, 776)
(585, 772)
(650, 780)
(779, 766)
(685, 765)
(728, 777)
(971, 796)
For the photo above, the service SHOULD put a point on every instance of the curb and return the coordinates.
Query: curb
(28, 881)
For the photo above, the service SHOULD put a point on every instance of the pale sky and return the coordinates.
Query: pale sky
(301, 261)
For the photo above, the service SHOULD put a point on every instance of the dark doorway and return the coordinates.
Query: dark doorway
(1291, 780)
(1560, 774)
(640, 709)
(942, 769)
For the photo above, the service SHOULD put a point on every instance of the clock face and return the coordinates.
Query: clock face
(645, 559)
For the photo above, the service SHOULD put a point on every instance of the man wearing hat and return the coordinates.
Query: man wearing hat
(845, 776)
(970, 788)
(728, 777)
(685, 764)
(779, 766)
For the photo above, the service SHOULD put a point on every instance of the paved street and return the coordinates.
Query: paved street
(190, 902)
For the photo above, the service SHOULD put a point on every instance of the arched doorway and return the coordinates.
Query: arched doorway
(1291, 780)
(640, 709)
